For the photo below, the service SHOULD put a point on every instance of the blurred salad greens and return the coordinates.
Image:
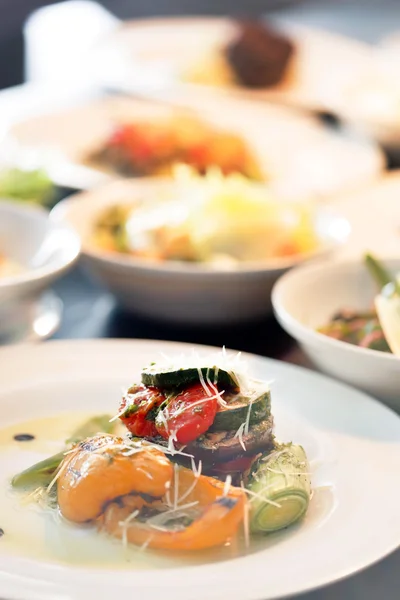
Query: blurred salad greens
(27, 186)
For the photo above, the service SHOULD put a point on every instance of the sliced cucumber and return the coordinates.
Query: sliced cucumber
(281, 482)
(241, 408)
(154, 376)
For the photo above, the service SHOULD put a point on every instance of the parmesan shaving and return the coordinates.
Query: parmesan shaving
(168, 451)
(192, 487)
(216, 375)
(148, 475)
(171, 440)
(165, 516)
(227, 485)
(162, 418)
(239, 434)
(131, 451)
(37, 496)
(176, 485)
(190, 406)
(118, 415)
(143, 547)
(125, 524)
(128, 519)
(213, 386)
(231, 363)
(196, 470)
(259, 496)
(188, 491)
(128, 404)
(281, 472)
(247, 423)
(59, 472)
(246, 530)
(203, 383)
(168, 494)
(274, 455)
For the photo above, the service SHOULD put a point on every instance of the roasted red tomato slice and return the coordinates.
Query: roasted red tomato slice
(187, 415)
(140, 403)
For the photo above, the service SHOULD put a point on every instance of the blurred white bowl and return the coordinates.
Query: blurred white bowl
(43, 249)
(309, 296)
(177, 291)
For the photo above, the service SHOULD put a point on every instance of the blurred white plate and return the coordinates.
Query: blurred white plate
(157, 52)
(329, 72)
(300, 156)
(352, 441)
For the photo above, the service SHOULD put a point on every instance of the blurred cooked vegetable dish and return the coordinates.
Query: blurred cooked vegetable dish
(360, 328)
(377, 328)
(214, 220)
(153, 148)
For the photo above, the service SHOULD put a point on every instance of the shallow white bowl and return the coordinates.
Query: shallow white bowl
(308, 297)
(44, 249)
(175, 291)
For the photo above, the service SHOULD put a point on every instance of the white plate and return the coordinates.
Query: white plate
(297, 154)
(329, 71)
(353, 443)
(155, 53)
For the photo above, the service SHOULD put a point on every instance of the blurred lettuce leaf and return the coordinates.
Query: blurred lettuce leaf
(30, 186)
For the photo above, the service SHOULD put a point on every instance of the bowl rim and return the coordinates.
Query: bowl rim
(301, 332)
(272, 266)
(33, 274)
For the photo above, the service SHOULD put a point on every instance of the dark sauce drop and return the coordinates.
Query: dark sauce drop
(1, 532)
(24, 437)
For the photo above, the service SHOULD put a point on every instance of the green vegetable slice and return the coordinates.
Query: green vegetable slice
(280, 488)
(252, 407)
(378, 272)
(154, 376)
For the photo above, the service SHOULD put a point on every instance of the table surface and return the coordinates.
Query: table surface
(90, 312)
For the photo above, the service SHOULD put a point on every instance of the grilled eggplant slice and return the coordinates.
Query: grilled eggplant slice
(221, 446)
